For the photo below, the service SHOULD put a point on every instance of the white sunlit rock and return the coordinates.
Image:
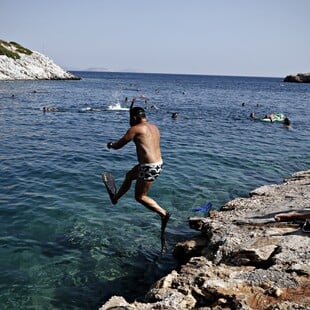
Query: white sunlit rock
(31, 67)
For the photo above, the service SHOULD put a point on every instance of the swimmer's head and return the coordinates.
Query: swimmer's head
(174, 115)
(252, 115)
(286, 121)
(136, 114)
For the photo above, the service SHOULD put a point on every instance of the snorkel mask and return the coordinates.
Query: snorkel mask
(135, 113)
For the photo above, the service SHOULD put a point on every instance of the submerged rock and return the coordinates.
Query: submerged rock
(241, 258)
(20, 63)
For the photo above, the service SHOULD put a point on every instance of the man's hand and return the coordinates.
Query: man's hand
(109, 145)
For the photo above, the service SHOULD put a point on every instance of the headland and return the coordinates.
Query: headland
(20, 63)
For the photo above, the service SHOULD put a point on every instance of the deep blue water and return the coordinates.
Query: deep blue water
(62, 244)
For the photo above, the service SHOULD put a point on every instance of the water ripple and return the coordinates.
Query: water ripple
(62, 243)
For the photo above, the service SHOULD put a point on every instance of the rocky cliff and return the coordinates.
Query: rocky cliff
(298, 78)
(242, 258)
(20, 63)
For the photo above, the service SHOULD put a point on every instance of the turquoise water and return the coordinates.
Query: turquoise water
(62, 244)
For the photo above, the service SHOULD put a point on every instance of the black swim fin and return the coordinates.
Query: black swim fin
(109, 182)
(164, 222)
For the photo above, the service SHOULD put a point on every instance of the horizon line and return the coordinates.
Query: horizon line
(165, 73)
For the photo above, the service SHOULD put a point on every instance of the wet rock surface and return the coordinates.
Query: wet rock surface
(241, 258)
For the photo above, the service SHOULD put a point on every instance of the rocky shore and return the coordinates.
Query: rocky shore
(20, 63)
(241, 258)
(298, 78)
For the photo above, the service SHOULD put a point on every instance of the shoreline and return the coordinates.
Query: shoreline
(241, 258)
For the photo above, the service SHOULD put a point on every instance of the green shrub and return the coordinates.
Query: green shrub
(2, 42)
(20, 49)
(8, 53)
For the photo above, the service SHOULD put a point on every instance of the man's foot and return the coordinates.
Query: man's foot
(164, 221)
(113, 199)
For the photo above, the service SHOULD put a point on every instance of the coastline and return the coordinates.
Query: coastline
(241, 258)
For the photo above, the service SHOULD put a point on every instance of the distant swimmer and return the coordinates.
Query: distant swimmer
(270, 116)
(50, 109)
(287, 122)
(253, 115)
(174, 115)
(142, 97)
(273, 117)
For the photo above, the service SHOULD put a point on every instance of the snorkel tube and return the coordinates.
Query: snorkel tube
(131, 120)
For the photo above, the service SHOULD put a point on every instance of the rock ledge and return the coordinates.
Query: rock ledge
(242, 258)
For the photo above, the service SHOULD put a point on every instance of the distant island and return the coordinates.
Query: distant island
(20, 63)
(298, 78)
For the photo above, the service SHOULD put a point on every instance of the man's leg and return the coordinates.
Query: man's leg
(291, 216)
(131, 175)
(142, 187)
(141, 190)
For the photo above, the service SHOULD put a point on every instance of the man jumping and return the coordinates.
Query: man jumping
(146, 137)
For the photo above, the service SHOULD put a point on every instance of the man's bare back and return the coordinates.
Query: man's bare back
(146, 137)
(147, 141)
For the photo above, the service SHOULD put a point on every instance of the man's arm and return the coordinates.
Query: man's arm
(128, 136)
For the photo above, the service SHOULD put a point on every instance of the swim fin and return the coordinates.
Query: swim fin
(204, 208)
(109, 182)
(164, 222)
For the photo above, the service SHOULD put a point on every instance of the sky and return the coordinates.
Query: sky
(209, 37)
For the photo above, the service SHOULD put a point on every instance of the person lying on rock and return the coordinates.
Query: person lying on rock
(295, 216)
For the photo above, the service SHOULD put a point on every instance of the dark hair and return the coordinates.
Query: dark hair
(136, 114)
(287, 122)
(137, 111)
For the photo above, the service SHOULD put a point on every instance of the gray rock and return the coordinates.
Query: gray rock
(298, 78)
(242, 258)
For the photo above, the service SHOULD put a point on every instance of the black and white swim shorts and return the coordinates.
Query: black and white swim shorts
(149, 172)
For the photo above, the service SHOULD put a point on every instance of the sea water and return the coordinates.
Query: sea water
(63, 245)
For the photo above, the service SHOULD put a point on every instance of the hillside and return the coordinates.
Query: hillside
(20, 63)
